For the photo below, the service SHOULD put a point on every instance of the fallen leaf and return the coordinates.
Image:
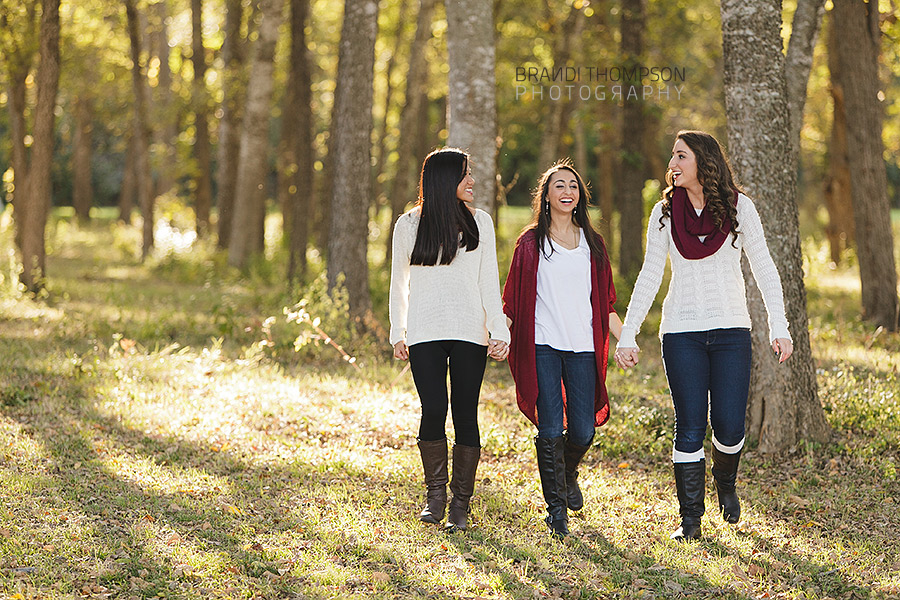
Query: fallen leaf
(737, 570)
(380, 577)
(674, 586)
(623, 465)
(468, 556)
(755, 570)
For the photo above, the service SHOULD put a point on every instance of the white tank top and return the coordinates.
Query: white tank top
(562, 314)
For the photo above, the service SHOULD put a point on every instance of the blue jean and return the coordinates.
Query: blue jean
(578, 372)
(708, 372)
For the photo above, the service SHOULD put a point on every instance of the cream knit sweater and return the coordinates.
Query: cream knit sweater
(459, 301)
(707, 293)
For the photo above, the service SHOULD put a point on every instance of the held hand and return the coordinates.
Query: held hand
(783, 348)
(401, 351)
(498, 349)
(626, 357)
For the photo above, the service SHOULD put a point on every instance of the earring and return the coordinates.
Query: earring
(547, 208)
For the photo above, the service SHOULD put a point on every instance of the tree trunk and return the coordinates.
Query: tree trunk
(295, 171)
(472, 109)
(633, 171)
(233, 89)
(82, 158)
(202, 177)
(562, 35)
(38, 186)
(247, 229)
(838, 199)
(163, 111)
(352, 130)
(142, 134)
(857, 53)
(798, 63)
(784, 405)
(414, 113)
(126, 193)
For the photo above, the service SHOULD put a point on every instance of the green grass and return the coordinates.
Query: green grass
(159, 437)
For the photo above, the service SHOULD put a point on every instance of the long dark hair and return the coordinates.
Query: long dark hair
(540, 210)
(443, 216)
(715, 176)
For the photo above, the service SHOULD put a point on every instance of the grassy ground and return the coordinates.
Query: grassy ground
(159, 437)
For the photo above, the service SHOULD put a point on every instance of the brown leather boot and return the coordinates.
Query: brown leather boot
(465, 462)
(434, 462)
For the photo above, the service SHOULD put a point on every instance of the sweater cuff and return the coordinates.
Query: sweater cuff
(397, 335)
(627, 340)
(779, 330)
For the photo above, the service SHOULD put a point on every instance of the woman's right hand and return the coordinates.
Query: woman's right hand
(401, 350)
(626, 357)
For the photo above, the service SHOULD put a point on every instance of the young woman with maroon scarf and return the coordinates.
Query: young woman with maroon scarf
(559, 300)
(702, 224)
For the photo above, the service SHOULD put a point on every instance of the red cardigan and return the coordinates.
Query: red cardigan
(519, 298)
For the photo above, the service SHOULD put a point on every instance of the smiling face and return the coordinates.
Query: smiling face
(464, 190)
(683, 165)
(563, 192)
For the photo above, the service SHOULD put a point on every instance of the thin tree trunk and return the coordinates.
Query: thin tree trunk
(141, 132)
(784, 405)
(352, 130)
(164, 114)
(562, 35)
(233, 89)
(413, 114)
(798, 63)
(38, 185)
(17, 105)
(247, 231)
(126, 193)
(633, 171)
(82, 158)
(472, 109)
(858, 47)
(202, 178)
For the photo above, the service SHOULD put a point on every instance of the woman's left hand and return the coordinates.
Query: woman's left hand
(498, 349)
(783, 348)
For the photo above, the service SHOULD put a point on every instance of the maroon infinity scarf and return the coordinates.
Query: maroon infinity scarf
(687, 226)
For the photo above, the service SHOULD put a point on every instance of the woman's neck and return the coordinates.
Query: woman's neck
(562, 225)
(695, 195)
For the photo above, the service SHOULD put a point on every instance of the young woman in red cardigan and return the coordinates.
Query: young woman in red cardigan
(559, 300)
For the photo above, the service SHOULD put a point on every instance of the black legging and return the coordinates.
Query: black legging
(428, 361)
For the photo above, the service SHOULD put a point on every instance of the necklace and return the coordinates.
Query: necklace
(568, 244)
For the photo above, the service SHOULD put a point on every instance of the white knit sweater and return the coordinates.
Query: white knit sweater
(707, 293)
(459, 301)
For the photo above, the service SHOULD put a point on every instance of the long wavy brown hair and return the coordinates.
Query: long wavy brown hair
(715, 176)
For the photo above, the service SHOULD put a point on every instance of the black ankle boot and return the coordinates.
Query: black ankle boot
(690, 485)
(724, 472)
(574, 454)
(462, 484)
(434, 462)
(552, 468)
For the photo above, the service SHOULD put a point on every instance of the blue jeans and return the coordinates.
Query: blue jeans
(708, 372)
(578, 372)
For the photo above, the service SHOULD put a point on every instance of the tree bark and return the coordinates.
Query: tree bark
(472, 109)
(32, 213)
(203, 176)
(295, 173)
(798, 63)
(784, 405)
(562, 35)
(233, 89)
(838, 199)
(142, 134)
(413, 114)
(163, 111)
(127, 191)
(82, 158)
(352, 130)
(858, 47)
(247, 230)
(633, 171)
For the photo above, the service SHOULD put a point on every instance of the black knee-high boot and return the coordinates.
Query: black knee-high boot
(574, 454)
(552, 468)
(462, 484)
(724, 472)
(434, 462)
(690, 485)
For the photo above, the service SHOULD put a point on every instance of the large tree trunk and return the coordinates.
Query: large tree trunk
(233, 90)
(295, 171)
(202, 178)
(352, 130)
(164, 114)
(472, 110)
(838, 200)
(413, 114)
(142, 133)
(633, 171)
(38, 186)
(857, 51)
(247, 229)
(82, 154)
(784, 404)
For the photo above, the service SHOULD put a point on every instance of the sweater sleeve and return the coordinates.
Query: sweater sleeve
(399, 295)
(764, 271)
(489, 282)
(648, 281)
